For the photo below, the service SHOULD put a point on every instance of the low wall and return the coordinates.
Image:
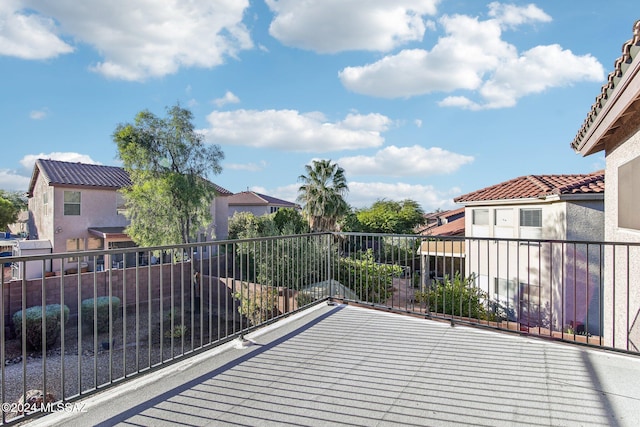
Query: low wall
(135, 287)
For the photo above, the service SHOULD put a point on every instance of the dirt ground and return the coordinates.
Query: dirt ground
(84, 363)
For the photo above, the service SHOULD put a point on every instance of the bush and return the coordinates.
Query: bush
(174, 314)
(457, 297)
(55, 316)
(102, 307)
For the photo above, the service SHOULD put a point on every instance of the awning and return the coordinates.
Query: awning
(443, 248)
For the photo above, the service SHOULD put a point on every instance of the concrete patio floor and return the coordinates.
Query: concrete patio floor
(344, 365)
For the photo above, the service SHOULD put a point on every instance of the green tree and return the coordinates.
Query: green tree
(11, 204)
(391, 217)
(290, 221)
(168, 163)
(322, 194)
(245, 225)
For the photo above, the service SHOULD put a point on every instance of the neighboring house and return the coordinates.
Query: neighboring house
(528, 275)
(439, 258)
(77, 207)
(257, 204)
(613, 126)
(447, 223)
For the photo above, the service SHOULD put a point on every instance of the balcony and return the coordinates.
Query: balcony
(333, 329)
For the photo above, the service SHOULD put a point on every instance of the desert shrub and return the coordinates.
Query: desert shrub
(457, 297)
(258, 304)
(304, 298)
(102, 308)
(171, 318)
(370, 280)
(55, 316)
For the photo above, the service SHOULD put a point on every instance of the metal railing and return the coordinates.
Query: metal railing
(575, 291)
(75, 323)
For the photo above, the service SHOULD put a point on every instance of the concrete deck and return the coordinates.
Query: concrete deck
(343, 365)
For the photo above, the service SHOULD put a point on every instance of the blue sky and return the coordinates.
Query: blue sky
(420, 99)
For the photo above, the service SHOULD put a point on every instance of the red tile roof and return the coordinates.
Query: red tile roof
(453, 228)
(630, 49)
(538, 186)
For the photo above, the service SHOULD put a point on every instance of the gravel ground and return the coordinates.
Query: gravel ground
(85, 368)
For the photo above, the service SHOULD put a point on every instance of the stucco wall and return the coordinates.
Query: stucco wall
(620, 263)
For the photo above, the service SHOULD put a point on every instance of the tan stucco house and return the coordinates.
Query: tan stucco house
(612, 126)
(77, 207)
(526, 275)
(257, 203)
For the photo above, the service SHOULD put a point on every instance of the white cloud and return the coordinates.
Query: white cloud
(11, 181)
(29, 160)
(249, 167)
(28, 35)
(329, 26)
(286, 192)
(405, 161)
(145, 38)
(363, 194)
(512, 15)
(418, 123)
(290, 130)
(228, 98)
(38, 114)
(472, 56)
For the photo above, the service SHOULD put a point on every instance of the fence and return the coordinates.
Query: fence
(75, 331)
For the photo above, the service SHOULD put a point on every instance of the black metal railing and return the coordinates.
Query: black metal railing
(74, 323)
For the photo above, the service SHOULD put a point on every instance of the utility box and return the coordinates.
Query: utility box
(32, 269)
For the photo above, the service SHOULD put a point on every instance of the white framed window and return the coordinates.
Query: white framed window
(531, 223)
(72, 202)
(628, 202)
(121, 208)
(480, 222)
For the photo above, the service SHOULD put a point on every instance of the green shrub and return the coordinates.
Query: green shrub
(102, 307)
(55, 316)
(174, 314)
(458, 297)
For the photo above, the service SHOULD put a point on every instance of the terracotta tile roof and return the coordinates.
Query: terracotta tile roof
(538, 186)
(452, 228)
(256, 199)
(630, 50)
(57, 172)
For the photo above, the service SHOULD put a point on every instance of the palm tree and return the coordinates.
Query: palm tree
(322, 195)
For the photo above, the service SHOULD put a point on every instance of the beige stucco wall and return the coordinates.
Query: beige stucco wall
(562, 294)
(621, 264)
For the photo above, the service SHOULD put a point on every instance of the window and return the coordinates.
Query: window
(72, 203)
(273, 209)
(531, 223)
(74, 245)
(481, 217)
(480, 220)
(628, 201)
(121, 208)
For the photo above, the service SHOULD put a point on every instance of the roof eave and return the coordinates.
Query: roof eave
(623, 95)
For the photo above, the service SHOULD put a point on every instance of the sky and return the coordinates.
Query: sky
(415, 99)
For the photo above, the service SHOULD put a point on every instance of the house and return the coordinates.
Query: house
(510, 228)
(440, 258)
(447, 223)
(612, 126)
(256, 203)
(77, 207)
